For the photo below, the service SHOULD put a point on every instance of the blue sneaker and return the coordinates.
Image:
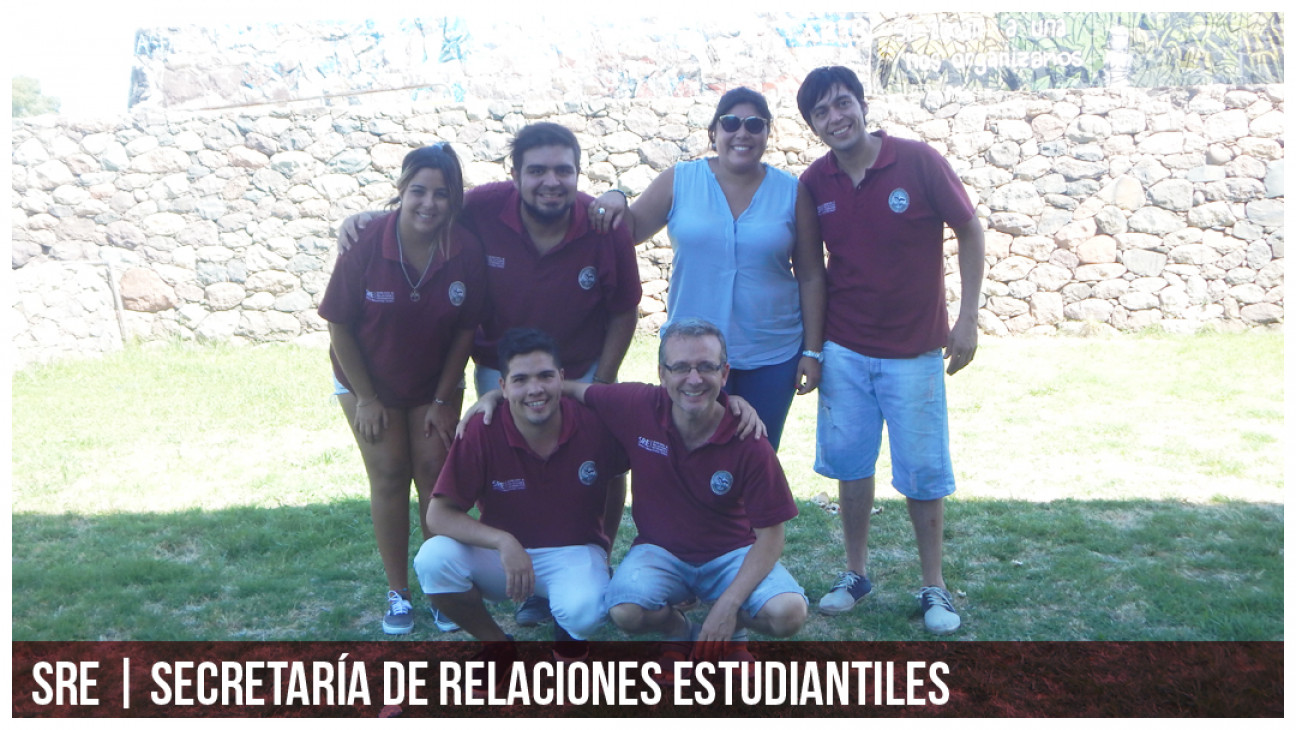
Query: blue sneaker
(533, 612)
(846, 592)
(937, 607)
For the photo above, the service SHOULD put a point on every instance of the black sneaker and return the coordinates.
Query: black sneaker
(399, 618)
(567, 648)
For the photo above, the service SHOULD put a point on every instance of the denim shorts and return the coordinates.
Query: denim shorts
(340, 389)
(858, 394)
(652, 577)
(769, 389)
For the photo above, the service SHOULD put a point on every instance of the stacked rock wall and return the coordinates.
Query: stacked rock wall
(1103, 208)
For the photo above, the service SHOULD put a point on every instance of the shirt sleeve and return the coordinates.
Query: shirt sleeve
(948, 196)
(620, 405)
(463, 476)
(769, 501)
(344, 297)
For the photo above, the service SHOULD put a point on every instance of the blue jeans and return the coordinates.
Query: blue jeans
(770, 390)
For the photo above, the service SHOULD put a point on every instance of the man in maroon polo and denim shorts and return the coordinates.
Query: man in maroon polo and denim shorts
(883, 205)
(710, 506)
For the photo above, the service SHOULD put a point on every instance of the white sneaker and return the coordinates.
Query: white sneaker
(443, 622)
(938, 610)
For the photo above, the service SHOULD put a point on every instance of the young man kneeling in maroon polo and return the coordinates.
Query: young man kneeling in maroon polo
(539, 474)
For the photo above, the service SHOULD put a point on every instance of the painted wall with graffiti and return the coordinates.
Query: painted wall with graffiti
(1033, 51)
(485, 58)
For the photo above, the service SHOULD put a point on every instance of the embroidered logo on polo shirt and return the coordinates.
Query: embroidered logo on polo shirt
(457, 293)
(508, 485)
(382, 297)
(826, 208)
(495, 262)
(656, 447)
(588, 278)
(721, 483)
(899, 200)
(588, 473)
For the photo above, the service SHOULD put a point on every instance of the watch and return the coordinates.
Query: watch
(814, 354)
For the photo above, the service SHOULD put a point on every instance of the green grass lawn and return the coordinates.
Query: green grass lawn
(1119, 489)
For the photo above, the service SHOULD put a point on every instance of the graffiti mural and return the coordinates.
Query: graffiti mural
(1074, 50)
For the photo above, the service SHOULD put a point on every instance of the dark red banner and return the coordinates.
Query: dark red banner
(788, 679)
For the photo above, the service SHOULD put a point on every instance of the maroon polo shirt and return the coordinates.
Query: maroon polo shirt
(886, 262)
(542, 502)
(404, 343)
(697, 504)
(569, 292)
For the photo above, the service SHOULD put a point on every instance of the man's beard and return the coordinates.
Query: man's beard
(547, 215)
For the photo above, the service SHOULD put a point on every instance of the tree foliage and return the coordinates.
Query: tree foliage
(28, 101)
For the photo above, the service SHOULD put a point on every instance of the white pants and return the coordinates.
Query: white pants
(573, 578)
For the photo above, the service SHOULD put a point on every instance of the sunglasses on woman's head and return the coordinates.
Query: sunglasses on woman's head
(754, 125)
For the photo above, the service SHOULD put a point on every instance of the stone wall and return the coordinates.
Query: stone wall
(1103, 208)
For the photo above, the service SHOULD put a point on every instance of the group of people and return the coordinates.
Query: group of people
(538, 284)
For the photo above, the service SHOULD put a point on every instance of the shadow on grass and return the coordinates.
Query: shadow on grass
(1068, 570)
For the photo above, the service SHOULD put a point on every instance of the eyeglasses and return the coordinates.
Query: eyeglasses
(703, 368)
(754, 125)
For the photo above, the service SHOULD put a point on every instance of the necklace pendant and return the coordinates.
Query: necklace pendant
(414, 295)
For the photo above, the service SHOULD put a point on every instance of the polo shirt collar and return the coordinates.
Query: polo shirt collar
(518, 441)
(724, 433)
(886, 155)
(511, 216)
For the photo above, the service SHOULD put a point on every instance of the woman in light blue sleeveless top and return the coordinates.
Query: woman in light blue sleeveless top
(747, 257)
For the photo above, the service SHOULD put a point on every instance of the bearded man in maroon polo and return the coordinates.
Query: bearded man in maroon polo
(549, 267)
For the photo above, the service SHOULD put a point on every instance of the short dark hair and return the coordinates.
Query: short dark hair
(691, 327)
(820, 81)
(542, 134)
(524, 341)
(733, 98)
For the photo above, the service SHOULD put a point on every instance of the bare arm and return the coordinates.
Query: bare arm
(808, 265)
(722, 620)
(645, 217)
(441, 417)
(620, 331)
(971, 257)
(445, 518)
(371, 415)
(613, 509)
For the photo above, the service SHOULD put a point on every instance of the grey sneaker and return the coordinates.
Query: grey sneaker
(443, 623)
(533, 611)
(846, 592)
(399, 619)
(938, 610)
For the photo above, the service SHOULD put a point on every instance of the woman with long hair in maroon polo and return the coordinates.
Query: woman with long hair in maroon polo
(402, 306)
